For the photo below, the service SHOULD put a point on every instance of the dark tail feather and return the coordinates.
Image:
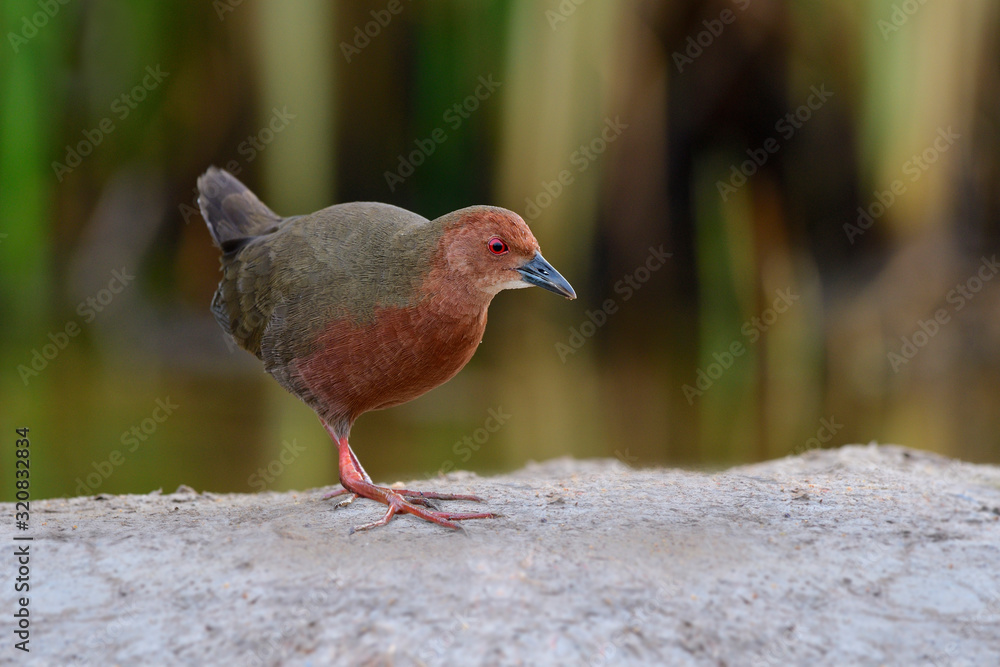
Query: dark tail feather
(233, 213)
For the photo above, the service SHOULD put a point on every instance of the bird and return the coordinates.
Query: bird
(362, 306)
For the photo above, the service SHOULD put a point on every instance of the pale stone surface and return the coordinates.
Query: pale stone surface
(863, 555)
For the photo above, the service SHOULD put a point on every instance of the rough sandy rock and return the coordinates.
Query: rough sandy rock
(864, 555)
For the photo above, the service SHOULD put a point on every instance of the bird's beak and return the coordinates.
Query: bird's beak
(536, 271)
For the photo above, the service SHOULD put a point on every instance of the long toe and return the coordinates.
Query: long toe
(374, 524)
(440, 518)
(334, 494)
(461, 516)
(433, 495)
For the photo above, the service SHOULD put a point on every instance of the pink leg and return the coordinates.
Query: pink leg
(357, 465)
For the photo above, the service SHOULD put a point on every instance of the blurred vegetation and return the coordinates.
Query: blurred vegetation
(612, 127)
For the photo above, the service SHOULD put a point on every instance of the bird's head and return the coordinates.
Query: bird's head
(492, 249)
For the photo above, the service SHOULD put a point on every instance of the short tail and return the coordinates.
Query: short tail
(233, 213)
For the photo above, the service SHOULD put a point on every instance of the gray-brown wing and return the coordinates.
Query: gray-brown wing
(280, 290)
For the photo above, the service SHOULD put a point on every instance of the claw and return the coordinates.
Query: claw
(346, 501)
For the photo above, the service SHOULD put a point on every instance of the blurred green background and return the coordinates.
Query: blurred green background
(824, 175)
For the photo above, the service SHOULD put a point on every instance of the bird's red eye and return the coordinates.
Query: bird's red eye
(497, 246)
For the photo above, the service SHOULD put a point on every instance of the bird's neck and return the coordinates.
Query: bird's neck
(458, 304)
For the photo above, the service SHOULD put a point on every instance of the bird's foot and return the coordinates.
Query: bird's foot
(404, 501)
(357, 484)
